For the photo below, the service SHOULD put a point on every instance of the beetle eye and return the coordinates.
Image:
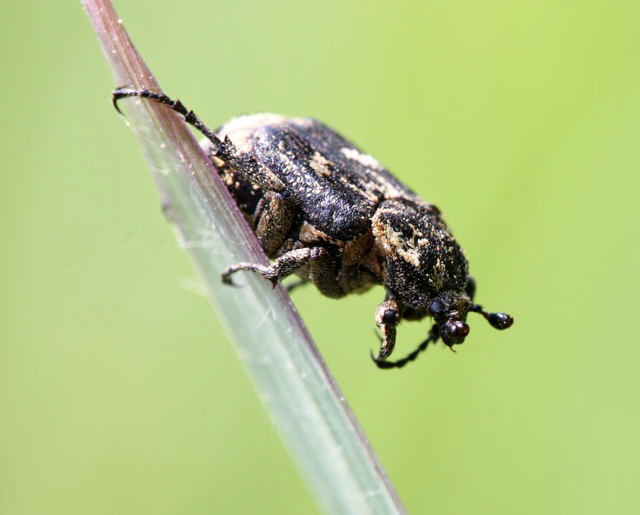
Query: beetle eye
(455, 331)
(436, 308)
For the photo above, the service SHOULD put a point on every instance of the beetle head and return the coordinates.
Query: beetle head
(449, 311)
(450, 314)
(425, 270)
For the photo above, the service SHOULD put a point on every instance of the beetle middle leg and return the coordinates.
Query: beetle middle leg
(283, 267)
(273, 219)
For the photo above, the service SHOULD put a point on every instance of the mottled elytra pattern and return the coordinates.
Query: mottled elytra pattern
(334, 216)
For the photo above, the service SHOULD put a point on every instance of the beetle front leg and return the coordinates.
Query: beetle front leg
(433, 336)
(283, 267)
(387, 318)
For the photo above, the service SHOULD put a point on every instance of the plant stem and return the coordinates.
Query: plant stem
(317, 425)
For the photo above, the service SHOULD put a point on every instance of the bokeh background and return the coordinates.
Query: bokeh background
(120, 394)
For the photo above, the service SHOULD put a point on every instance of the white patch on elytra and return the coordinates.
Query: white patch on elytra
(320, 164)
(363, 159)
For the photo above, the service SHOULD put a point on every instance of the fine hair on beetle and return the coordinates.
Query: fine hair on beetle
(334, 216)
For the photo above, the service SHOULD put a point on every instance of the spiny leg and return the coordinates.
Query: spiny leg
(223, 149)
(434, 334)
(284, 266)
(189, 116)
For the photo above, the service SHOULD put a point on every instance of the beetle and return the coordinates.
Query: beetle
(333, 215)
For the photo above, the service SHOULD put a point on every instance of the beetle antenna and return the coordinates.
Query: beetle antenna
(497, 320)
(189, 116)
(434, 334)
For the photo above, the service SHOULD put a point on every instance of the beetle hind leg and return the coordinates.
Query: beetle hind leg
(189, 116)
(223, 149)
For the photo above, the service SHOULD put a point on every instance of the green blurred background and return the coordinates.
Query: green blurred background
(118, 391)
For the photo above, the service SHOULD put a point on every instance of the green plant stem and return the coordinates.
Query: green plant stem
(284, 364)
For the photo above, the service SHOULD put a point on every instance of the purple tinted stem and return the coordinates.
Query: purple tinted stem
(296, 387)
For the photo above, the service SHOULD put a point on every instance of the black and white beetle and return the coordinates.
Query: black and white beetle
(334, 216)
